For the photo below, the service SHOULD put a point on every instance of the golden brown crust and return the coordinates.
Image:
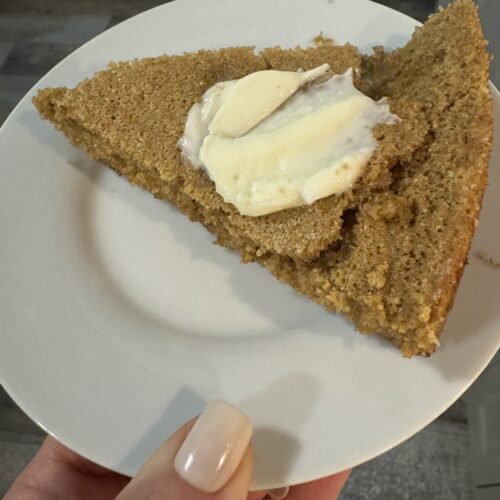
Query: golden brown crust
(389, 253)
(445, 67)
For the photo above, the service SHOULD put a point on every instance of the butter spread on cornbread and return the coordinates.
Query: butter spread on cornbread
(270, 142)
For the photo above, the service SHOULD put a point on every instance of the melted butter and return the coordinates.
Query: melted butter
(269, 144)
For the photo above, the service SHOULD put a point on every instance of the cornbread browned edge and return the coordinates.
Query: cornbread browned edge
(455, 34)
(397, 254)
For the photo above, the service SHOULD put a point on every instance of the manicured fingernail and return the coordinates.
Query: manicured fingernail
(215, 446)
(278, 493)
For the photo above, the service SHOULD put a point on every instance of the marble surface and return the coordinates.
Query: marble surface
(34, 36)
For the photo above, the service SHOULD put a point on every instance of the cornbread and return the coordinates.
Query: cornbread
(388, 253)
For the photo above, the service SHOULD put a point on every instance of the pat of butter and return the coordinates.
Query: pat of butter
(238, 114)
(269, 144)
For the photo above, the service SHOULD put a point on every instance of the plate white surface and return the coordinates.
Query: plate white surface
(120, 319)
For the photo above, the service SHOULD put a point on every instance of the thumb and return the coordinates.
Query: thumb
(208, 458)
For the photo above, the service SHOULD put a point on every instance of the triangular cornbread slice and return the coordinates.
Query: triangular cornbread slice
(388, 253)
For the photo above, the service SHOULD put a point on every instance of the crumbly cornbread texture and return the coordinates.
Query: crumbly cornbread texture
(388, 253)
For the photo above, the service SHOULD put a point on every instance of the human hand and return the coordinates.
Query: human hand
(208, 458)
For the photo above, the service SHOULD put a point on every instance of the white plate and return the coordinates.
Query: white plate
(120, 319)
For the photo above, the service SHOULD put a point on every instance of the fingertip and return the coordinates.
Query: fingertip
(207, 458)
(215, 447)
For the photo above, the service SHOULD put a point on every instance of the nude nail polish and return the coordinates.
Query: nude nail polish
(214, 447)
